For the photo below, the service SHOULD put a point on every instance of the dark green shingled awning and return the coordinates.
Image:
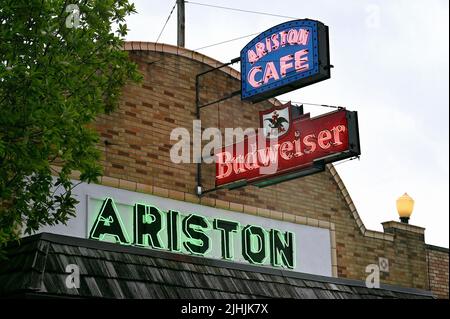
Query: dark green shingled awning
(37, 266)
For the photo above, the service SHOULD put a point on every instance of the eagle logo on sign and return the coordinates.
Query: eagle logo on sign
(276, 121)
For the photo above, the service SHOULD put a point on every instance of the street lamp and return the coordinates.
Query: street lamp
(405, 205)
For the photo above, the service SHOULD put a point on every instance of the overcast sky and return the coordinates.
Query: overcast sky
(391, 64)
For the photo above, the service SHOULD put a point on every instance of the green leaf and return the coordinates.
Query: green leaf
(55, 81)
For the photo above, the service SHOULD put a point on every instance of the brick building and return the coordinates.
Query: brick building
(135, 141)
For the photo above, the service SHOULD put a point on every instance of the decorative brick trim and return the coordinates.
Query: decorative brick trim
(251, 210)
(222, 204)
(191, 198)
(346, 196)
(172, 49)
(124, 184)
(375, 234)
(237, 207)
(403, 226)
(275, 214)
(263, 212)
(109, 181)
(334, 263)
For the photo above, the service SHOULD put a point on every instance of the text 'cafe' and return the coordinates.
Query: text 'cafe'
(270, 217)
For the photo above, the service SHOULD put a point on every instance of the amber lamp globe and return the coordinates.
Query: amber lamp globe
(405, 206)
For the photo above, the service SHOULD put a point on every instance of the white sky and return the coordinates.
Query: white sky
(391, 64)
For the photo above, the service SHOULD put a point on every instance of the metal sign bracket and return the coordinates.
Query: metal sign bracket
(199, 188)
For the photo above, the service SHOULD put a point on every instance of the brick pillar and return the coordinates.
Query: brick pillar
(410, 261)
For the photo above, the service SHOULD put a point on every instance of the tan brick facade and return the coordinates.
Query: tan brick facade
(136, 157)
(437, 258)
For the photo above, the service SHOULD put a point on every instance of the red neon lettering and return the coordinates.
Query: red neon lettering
(298, 147)
(303, 36)
(239, 164)
(292, 37)
(260, 49)
(270, 72)
(301, 59)
(284, 66)
(268, 154)
(276, 43)
(283, 38)
(224, 159)
(308, 143)
(286, 150)
(251, 161)
(268, 45)
(252, 57)
(251, 76)
(323, 139)
(336, 130)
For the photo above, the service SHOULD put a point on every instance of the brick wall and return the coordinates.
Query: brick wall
(138, 145)
(437, 258)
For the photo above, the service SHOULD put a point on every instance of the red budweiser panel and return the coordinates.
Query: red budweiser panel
(306, 142)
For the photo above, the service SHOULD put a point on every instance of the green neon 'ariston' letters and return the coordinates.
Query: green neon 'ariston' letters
(109, 223)
(173, 232)
(148, 224)
(254, 244)
(194, 228)
(226, 227)
(283, 247)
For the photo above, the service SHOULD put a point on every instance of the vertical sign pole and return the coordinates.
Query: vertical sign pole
(198, 189)
(180, 24)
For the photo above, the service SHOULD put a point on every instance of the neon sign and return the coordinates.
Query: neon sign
(193, 234)
(288, 56)
(287, 148)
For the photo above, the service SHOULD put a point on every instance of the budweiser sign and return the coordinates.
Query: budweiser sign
(285, 148)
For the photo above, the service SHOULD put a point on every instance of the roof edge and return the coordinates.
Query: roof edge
(437, 248)
(88, 243)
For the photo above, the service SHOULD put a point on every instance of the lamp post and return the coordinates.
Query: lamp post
(405, 206)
